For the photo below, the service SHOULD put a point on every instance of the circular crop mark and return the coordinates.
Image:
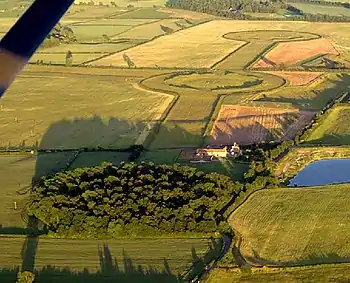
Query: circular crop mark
(270, 35)
(226, 81)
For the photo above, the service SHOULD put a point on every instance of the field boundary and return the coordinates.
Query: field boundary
(245, 43)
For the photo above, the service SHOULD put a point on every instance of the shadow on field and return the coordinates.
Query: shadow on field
(311, 259)
(320, 99)
(333, 139)
(113, 271)
(63, 143)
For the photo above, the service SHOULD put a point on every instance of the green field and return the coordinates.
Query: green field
(295, 226)
(89, 109)
(318, 274)
(14, 185)
(322, 9)
(335, 129)
(123, 260)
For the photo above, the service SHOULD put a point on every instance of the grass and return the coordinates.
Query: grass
(161, 156)
(322, 9)
(14, 185)
(298, 158)
(65, 110)
(139, 3)
(224, 166)
(314, 274)
(295, 226)
(335, 129)
(124, 260)
(91, 159)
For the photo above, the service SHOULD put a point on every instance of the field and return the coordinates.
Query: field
(284, 53)
(247, 125)
(322, 274)
(14, 187)
(56, 103)
(322, 9)
(90, 159)
(123, 260)
(295, 226)
(335, 130)
(299, 158)
(297, 78)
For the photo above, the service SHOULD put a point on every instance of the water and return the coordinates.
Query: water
(323, 172)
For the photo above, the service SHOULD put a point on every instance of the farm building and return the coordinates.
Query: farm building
(219, 152)
(216, 152)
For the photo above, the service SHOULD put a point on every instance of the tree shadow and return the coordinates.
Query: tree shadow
(311, 259)
(93, 141)
(331, 139)
(121, 270)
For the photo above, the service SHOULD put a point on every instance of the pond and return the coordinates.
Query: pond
(323, 172)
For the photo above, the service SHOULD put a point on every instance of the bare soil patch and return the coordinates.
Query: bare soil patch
(247, 125)
(290, 53)
(297, 78)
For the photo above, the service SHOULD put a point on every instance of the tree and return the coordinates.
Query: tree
(25, 277)
(166, 29)
(69, 58)
(129, 61)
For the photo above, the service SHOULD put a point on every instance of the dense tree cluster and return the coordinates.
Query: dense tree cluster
(221, 8)
(132, 199)
(240, 9)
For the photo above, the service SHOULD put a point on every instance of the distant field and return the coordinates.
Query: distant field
(14, 186)
(84, 12)
(295, 226)
(248, 125)
(117, 22)
(85, 33)
(322, 9)
(211, 48)
(161, 156)
(292, 53)
(81, 52)
(149, 31)
(125, 3)
(90, 110)
(90, 159)
(76, 48)
(313, 274)
(335, 129)
(144, 13)
(299, 158)
(124, 260)
(256, 43)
